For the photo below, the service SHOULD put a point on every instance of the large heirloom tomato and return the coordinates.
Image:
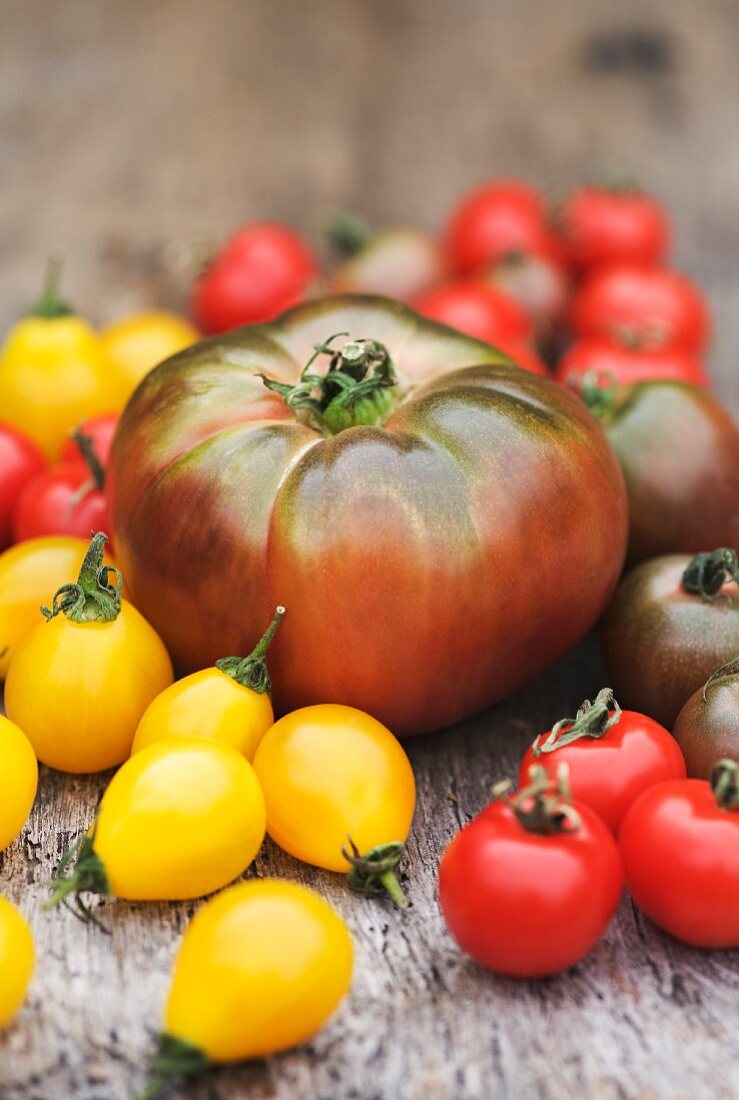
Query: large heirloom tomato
(443, 550)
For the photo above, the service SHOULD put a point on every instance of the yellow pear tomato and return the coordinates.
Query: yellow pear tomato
(230, 702)
(333, 778)
(18, 780)
(29, 571)
(261, 968)
(16, 960)
(180, 819)
(135, 344)
(52, 373)
(79, 683)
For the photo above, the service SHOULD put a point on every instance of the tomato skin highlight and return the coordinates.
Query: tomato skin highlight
(707, 727)
(528, 905)
(609, 773)
(18, 780)
(20, 461)
(16, 960)
(602, 226)
(626, 365)
(681, 855)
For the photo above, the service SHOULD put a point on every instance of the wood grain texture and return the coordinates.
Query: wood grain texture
(130, 130)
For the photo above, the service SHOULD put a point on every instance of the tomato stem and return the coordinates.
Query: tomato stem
(92, 599)
(544, 806)
(349, 233)
(173, 1058)
(593, 720)
(728, 669)
(725, 784)
(707, 573)
(252, 671)
(86, 448)
(86, 875)
(374, 873)
(598, 389)
(356, 389)
(49, 304)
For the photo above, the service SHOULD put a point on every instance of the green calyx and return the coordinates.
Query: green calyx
(730, 668)
(356, 389)
(725, 784)
(173, 1058)
(349, 233)
(599, 391)
(49, 304)
(593, 720)
(92, 599)
(544, 806)
(707, 573)
(252, 671)
(79, 871)
(374, 874)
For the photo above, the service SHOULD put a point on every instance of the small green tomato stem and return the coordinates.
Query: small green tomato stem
(49, 304)
(544, 806)
(173, 1058)
(707, 573)
(86, 448)
(79, 871)
(92, 599)
(728, 669)
(593, 720)
(725, 784)
(599, 391)
(252, 671)
(349, 233)
(374, 874)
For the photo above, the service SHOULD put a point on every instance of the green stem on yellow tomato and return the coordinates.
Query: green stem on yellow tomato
(173, 1058)
(49, 304)
(374, 874)
(92, 599)
(252, 671)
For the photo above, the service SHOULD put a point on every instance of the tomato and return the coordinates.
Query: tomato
(528, 887)
(66, 499)
(20, 461)
(421, 514)
(18, 780)
(672, 621)
(100, 431)
(28, 573)
(679, 451)
(331, 774)
(612, 756)
(261, 270)
(680, 845)
(495, 220)
(400, 261)
(261, 968)
(608, 225)
(707, 727)
(52, 374)
(79, 683)
(180, 819)
(642, 304)
(230, 701)
(625, 363)
(539, 284)
(135, 344)
(477, 309)
(16, 960)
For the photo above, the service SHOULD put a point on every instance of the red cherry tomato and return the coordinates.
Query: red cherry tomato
(643, 305)
(494, 221)
(476, 309)
(529, 886)
(613, 755)
(20, 461)
(260, 271)
(100, 431)
(602, 226)
(624, 363)
(680, 845)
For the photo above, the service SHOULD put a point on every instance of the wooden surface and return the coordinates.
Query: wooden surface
(130, 129)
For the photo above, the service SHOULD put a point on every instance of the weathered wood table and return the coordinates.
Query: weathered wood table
(128, 127)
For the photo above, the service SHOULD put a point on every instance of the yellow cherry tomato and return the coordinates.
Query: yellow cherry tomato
(261, 968)
(230, 702)
(16, 960)
(332, 775)
(134, 345)
(79, 683)
(18, 780)
(180, 819)
(29, 572)
(52, 373)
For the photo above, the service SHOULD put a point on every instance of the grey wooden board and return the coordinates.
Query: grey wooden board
(127, 130)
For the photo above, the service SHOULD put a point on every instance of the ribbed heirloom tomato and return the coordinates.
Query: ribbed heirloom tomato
(440, 524)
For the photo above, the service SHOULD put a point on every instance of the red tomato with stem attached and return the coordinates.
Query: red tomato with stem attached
(680, 846)
(606, 225)
(613, 755)
(20, 461)
(100, 431)
(625, 362)
(529, 886)
(261, 270)
(643, 305)
(495, 220)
